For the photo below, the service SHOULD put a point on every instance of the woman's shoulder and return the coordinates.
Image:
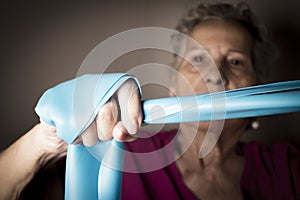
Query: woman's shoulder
(271, 169)
(275, 152)
(275, 158)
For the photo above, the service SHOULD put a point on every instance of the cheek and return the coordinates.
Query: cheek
(189, 82)
(240, 78)
(243, 81)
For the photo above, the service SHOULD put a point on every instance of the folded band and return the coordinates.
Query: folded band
(71, 107)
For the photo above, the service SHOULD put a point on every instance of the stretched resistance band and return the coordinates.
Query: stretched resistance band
(73, 105)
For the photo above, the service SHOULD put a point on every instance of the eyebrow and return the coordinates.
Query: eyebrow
(198, 48)
(237, 51)
(228, 51)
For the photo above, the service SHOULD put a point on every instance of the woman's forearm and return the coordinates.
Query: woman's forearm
(20, 162)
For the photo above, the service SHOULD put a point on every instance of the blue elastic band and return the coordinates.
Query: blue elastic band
(73, 105)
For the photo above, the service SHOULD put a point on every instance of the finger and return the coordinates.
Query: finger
(120, 133)
(130, 106)
(89, 136)
(106, 120)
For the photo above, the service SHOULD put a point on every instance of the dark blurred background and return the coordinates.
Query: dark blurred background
(44, 43)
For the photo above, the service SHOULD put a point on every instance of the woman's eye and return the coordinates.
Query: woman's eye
(235, 62)
(198, 59)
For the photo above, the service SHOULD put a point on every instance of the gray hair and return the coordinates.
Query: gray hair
(264, 51)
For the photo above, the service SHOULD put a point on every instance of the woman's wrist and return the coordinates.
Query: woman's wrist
(48, 146)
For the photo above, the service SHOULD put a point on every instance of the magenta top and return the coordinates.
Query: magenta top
(270, 172)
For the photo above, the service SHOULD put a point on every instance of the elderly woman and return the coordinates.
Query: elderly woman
(231, 170)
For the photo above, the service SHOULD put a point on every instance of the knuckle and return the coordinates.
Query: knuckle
(89, 136)
(103, 136)
(135, 118)
(128, 85)
(107, 114)
(106, 119)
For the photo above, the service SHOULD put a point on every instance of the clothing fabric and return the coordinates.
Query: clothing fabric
(270, 172)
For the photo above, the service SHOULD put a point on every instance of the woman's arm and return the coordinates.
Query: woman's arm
(20, 161)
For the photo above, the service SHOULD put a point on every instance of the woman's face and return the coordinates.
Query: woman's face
(226, 63)
(228, 46)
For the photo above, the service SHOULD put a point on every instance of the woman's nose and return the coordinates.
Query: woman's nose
(216, 74)
(213, 76)
(216, 80)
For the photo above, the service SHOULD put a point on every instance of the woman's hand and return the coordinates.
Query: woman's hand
(41, 145)
(119, 118)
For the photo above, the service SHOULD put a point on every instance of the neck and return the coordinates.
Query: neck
(219, 149)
